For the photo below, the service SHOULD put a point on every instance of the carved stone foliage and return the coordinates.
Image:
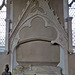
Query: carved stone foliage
(39, 13)
(37, 70)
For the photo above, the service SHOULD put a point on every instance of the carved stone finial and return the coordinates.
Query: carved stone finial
(47, 1)
(6, 70)
(36, 3)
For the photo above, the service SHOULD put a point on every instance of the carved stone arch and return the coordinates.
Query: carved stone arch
(27, 23)
(33, 15)
(44, 22)
(24, 24)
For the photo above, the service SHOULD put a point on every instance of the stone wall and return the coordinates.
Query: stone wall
(71, 64)
(4, 59)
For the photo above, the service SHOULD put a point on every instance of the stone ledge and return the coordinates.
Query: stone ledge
(38, 70)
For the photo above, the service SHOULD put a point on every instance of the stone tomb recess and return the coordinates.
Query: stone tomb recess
(35, 50)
